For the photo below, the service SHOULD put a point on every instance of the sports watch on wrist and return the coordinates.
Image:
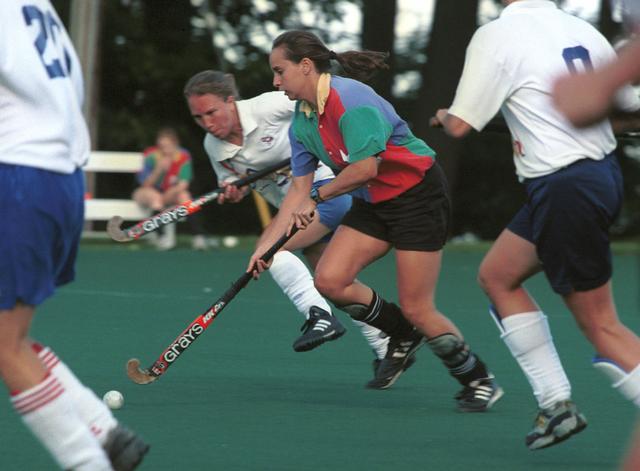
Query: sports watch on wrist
(315, 196)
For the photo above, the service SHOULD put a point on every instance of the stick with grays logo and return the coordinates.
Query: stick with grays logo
(190, 334)
(173, 214)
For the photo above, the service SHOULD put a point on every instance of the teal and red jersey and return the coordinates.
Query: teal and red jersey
(357, 123)
(180, 169)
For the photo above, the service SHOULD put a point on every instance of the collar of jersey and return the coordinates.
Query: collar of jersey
(247, 121)
(521, 4)
(322, 93)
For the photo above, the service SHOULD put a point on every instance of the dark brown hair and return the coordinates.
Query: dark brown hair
(360, 65)
(213, 82)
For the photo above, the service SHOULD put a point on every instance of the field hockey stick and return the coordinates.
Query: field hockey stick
(198, 326)
(175, 213)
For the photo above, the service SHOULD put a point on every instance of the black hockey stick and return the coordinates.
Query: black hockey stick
(198, 326)
(173, 214)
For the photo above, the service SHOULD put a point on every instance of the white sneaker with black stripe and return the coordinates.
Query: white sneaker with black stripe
(319, 328)
(479, 395)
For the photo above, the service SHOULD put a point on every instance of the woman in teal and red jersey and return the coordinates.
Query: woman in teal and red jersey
(400, 201)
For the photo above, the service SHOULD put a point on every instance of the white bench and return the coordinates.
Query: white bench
(102, 209)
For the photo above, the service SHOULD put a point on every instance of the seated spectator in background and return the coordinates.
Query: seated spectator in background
(164, 182)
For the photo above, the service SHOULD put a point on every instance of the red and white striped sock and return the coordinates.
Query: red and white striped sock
(93, 412)
(47, 410)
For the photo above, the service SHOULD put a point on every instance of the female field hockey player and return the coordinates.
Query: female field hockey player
(245, 136)
(400, 201)
(574, 192)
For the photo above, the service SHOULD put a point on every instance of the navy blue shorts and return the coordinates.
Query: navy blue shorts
(416, 220)
(567, 216)
(332, 211)
(41, 218)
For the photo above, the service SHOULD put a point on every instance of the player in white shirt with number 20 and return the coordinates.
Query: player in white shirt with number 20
(43, 143)
(574, 188)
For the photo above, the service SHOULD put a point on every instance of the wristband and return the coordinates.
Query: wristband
(315, 196)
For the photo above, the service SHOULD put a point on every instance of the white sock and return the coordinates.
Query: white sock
(528, 337)
(93, 412)
(48, 411)
(375, 338)
(294, 279)
(627, 383)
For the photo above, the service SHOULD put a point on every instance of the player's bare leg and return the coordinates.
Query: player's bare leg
(44, 405)
(617, 346)
(377, 340)
(349, 253)
(418, 273)
(525, 331)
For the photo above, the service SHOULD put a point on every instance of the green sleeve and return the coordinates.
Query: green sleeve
(365, 132)
(186, 172)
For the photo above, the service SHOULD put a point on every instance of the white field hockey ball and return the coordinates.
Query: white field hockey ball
(230, 241)
(113, 399)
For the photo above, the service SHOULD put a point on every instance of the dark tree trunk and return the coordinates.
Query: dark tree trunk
(453, 25)
(378, 34)
(609, 28)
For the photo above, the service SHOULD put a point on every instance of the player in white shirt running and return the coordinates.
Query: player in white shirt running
(245, 136)
(43, 142)
(574, 188)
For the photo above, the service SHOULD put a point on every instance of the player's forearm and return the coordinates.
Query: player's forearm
(182, 185)
(626, 69)
(296, 195)
(454, 126)
(153, 177)
(352, 177)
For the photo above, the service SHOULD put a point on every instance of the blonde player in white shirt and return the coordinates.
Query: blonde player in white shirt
(43, 143)
(244, 136)
(574, 188)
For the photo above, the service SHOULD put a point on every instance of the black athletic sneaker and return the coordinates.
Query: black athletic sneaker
(124, 449)
(400, 353)
(555, 425)
(318, 329)
(479, 395)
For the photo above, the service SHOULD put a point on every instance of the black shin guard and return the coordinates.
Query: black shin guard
(464, 365)
(380, 314)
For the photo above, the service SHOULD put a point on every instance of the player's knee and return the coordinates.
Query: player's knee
(327, 286)
(485, 278)
(493, 280)
(418, 311)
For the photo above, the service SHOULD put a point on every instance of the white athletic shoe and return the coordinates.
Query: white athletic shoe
(167, 240)
(199, 243)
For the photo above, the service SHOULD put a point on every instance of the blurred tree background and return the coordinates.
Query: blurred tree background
(148, 49)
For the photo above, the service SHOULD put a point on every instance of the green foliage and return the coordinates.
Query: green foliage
(150, 48)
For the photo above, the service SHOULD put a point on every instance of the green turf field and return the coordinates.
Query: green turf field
(241, 399)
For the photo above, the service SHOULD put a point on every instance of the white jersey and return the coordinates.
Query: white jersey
(511, 65)
(265, 121)
(41, 122)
